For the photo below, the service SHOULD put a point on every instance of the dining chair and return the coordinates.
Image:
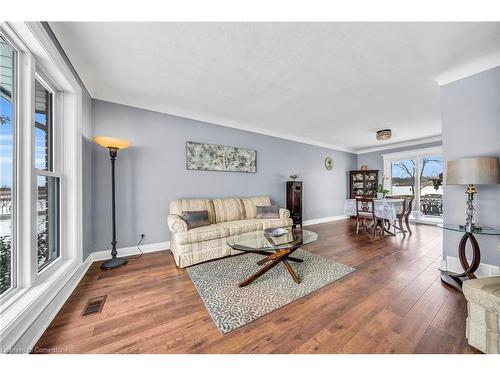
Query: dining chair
(408, 207)
(404, 214)
(365, 210)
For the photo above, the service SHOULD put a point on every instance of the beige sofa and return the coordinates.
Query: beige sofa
(227, 217)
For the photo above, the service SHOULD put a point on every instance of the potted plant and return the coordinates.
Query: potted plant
(381, 192)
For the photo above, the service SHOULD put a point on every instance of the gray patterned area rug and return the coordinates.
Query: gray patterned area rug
(231, 306)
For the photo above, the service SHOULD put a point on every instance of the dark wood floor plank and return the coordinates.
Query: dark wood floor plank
(393, 303)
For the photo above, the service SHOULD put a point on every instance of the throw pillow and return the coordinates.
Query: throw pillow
(267, 212)
(195, 219)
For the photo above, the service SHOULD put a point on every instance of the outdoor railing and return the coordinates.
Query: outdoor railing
(431, 205)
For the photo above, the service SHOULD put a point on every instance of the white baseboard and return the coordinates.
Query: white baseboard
(132, 250)
(452, 264)
(23, 337)
(325, 220)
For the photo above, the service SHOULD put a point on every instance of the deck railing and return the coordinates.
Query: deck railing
(431, 205)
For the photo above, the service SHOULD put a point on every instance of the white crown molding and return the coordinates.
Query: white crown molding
(216, 121)
(391, 146)
(467, 70)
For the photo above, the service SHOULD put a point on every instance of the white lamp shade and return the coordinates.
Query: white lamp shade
(474, 171)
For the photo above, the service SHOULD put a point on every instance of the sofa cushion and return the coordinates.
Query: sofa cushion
(275, 223)
(179, 205)
(205, 233)
(242, 226)
(228, 209)
(250, 205)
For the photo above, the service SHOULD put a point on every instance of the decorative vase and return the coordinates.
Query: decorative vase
(380, 195)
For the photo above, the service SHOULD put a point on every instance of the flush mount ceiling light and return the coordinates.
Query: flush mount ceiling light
(384, 134)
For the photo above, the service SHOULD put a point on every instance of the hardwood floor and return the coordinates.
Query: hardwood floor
(393, 303)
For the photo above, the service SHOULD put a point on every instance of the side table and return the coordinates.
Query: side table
(452, 279)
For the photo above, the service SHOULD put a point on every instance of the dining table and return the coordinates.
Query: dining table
(385, 209)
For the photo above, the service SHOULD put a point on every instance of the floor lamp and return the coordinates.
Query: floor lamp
(113, 145)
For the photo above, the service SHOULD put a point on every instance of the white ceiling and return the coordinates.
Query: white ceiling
(331, 84)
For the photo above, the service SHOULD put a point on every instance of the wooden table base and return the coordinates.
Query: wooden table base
(455, 280)
(273, 260)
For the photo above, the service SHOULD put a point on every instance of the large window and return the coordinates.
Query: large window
(418, 173)
(7, 165)
(40, 195)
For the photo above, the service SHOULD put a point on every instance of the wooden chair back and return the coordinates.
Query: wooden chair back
(365, 206)
(407, 205)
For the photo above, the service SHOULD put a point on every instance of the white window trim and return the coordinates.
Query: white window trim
(404, 155)
(34, 292)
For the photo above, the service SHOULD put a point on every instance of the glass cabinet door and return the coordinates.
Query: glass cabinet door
(370, 183)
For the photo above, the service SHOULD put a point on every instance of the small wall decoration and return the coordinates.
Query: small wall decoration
(209, 157)
(329, 163)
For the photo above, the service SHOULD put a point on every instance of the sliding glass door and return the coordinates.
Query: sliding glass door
(430, 183)
(420, 176)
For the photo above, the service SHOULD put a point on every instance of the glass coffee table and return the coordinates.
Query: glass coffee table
(276, 245)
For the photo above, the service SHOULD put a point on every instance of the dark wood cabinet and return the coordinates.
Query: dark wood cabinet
(294, 200)
(363, 183)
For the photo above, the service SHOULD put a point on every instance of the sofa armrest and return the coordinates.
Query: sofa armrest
(176, 224)
(284, 213)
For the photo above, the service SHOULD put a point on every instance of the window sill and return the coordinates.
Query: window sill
(26, 304)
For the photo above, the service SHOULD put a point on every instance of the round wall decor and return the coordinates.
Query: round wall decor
(328, 163)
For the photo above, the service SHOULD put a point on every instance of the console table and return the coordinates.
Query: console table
(452, 279)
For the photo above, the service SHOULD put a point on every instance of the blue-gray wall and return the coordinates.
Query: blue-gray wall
(374, 160)
(470, 110)
(152, 172)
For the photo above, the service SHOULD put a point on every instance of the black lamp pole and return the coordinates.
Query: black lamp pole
(114, 262)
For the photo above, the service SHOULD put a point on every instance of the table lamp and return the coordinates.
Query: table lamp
(113, 145)
(472, 172)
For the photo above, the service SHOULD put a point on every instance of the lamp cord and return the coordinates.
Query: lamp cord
(139, 248)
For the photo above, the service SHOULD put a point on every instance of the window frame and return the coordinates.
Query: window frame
(37, 55)
(415, 154)
(14, 270)
(54, 170)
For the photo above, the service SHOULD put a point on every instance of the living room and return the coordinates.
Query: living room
(250, 187)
